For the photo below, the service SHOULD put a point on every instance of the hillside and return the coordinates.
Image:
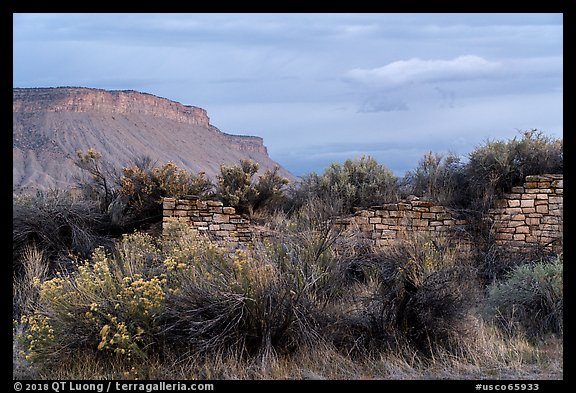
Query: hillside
(51, 124)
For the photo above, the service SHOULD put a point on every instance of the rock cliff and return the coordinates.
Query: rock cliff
(51, 124)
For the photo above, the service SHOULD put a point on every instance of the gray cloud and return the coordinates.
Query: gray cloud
(403, 83)
(382, 103)
(415, 70)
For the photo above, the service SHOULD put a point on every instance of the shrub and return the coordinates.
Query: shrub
(499, 165)
(237, 188)
(427, 292)
(58, 225)
(107, 304)
(101, 184)
(239, 305)
(529, 299)
(439, 179)
(357, 183)
(143, 185)
(26, 285)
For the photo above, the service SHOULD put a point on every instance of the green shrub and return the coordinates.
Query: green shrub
(237, 305)
(529, 300)
(427, 292)
(499, 165)
(356, 183)
(107, 304)
(439, 179)
(143, 185)
(237, 188)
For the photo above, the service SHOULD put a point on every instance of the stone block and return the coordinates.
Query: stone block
(503, 236)
(228, 210)
(519, 237)
(214, 204)
(214, 227)
(518, 217)
(429, 215)
(375, 220)
(556, 199)
(522, 229)
(215, 209)
(541, 196)
(528, 210)
(169, 204)
(526, 203)
(220, 218)
(383, 213)
(443, 216)
(528, 196)
(513, 203)
(422, 204)
(505, 230)
(555, 212)
(550, 220)
(413, 214)
(542, 209)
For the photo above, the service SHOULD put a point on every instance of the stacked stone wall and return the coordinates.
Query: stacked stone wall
(211, 218)
(529, 216)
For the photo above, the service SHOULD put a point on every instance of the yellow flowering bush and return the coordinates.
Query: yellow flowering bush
(108, 303)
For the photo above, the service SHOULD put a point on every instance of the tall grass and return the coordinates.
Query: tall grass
(314, 301)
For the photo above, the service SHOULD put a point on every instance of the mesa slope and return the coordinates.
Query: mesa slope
(51, 124)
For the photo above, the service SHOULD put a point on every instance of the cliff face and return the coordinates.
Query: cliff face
(51, 124)
(96, 100)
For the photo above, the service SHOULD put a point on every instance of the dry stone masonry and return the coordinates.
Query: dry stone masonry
(390, 222)
(531, 215)
(211, 218)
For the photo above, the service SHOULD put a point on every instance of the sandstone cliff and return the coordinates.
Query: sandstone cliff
(51, 124)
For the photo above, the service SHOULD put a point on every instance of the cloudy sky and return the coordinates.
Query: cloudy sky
(319, 88)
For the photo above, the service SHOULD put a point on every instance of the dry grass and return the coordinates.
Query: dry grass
(491, 356)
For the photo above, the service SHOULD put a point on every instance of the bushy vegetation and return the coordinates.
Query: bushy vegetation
(237, 188)
(499, 165)
(91, 284)
(58, 224)
(530, 299)
(439, 178)
(428, 291)
(357, 183)
(150, 299)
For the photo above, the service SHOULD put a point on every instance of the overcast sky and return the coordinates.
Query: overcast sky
(319, 88)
